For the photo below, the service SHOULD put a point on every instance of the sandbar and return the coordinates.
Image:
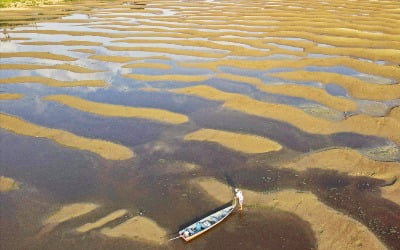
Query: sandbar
(113, 110)
(10, 96)
(356, 87)
(184, 52)
(246, 143)
(69, 212)
(148, 65)
(41, 55)
(52, 82)
(387, 127)
(105, 149)
(68, 67)
(296, 90)
(175, 77)
(138, 228)
(333, 229)
(8, 184)
(101, 222)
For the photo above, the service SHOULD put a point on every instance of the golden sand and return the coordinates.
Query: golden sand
(184, 52)
(148, 65)
(357, 88)
(178, 78)
(65, 43)
(306, 92)
(69, 212)
(347, 161)
(118, 110)
(353, 163)
(7, 184)
(138, 228)
(10, 96)
(246, 143)
(87, 51)
(68, 67)
(333, 229)
(108, 58)
(41, 55)
(52, 82)
(378, 126)
(101, 222)
(105, 149)
(390, 71)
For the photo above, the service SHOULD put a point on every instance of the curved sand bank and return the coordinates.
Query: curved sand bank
(10, 96)
(69, 212)
(40, 55)
(7, 184)
(52, 82)
(67, 67)
(246, 143)
(147, 65)
(302, 91)
(178, 78)
(138, 228)
(183, 52)
(377, 126)
(101, 222)
(65, 43)
(332, 229)
(353, 163)
(116, 59)
(390, 71)
(113, 110)
(87, 51)
(356, 87)
(105, 149)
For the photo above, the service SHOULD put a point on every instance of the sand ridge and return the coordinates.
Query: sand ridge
(7, 184)
(113, 110)
(171, 77)
(52, 82)
(378, 126)
(357, 88)
(101, 222)
(69, 212)
(246, 143)
(10, 96)
(67, 67)
(138, 228)
(105, 149)
(41, 55)
(296, 90)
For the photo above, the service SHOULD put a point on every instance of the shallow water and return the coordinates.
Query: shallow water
(248, 56)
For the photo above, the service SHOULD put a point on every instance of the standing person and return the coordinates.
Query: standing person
(239, 196)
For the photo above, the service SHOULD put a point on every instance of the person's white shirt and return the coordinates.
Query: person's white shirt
(239, 195)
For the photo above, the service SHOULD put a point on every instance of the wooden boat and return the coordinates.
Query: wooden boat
(205, 224)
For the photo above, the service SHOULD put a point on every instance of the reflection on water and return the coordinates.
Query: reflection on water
(289, 102)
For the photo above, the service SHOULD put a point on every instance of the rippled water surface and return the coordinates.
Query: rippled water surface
(123, 121)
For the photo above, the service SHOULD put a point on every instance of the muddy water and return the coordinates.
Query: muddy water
(111, 111)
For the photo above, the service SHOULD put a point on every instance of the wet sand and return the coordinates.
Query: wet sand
(138, 228)
(101, 222)
(68, 212)
(245, 143)
(10, 96)
(52, 82)
(384, 126)
(290, 101)
(108, 150)
(332, 229)
(7, 184)
(118, 110)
